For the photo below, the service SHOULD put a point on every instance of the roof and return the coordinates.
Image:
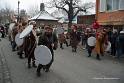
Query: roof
(65, 20)
(44, 15)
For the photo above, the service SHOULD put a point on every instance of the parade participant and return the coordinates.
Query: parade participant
(20, 47)
(99, 44)
(32, 45)
(13, 34)
(91, 42)
(50, 40)
(74, 38)
(62, 40)
(26, 41)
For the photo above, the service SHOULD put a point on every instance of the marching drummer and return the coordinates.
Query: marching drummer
(50, 40)
(20, 47)
(13, 34)
(32, 45)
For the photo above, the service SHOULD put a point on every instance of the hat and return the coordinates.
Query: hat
(48, 27)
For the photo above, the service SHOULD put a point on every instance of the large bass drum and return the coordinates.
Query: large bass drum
(26, 31)
(18, 41)
(42, 55)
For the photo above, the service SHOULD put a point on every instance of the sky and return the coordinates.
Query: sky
(26, 4)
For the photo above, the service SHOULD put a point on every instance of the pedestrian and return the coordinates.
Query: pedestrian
(74, 38)
(84, 40)
(114, 36)
(2, 30)
(91, 42)
(120, 44)
(50, 40)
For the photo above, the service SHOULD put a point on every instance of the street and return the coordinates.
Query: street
(68, 67)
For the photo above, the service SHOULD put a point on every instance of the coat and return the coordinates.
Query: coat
(48, 41)
(74, 38)
(99, 48)
(61, 38)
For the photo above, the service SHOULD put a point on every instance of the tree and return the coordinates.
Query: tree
(33, 10)
(5, 12)
(71, 7)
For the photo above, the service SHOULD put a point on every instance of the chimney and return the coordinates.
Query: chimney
(42, 7)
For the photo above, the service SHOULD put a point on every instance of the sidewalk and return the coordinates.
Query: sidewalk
(4, 70)
(1, 72)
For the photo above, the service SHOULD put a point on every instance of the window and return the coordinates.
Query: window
(116, 4)
(109, 5)
(102, 5)
(121, 5)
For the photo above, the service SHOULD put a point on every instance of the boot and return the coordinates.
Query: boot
(29, 65)
(38, 72)
(47, 70)
(98, 57)
(34, 65)
(20, 56)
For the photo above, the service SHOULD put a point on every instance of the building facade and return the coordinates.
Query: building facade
(86, 19)
(110, 13)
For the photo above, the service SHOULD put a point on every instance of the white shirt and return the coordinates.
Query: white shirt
(91, 41)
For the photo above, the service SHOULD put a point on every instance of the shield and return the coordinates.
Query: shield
(26, 31)
(42, 55)
(60, 30)
(11, 26)
(18, 41)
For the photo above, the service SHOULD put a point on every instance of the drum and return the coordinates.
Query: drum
(11, 26)
(18, 41)
(42, 55)
(26, 31)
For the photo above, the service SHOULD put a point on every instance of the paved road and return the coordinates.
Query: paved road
(68, 67)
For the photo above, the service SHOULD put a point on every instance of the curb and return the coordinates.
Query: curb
(5, 69)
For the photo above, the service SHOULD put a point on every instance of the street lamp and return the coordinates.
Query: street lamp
(18, 11)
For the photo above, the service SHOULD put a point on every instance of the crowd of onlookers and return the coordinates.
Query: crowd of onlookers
(101, 40)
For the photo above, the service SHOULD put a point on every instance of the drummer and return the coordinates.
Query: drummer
(50, 40)
(20, 48)
(26, 40)
(32, 45)
(13, 34)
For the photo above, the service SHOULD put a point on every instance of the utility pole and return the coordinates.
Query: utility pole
(18, 12)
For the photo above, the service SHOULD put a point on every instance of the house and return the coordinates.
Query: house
(44, 18)
(110, 13)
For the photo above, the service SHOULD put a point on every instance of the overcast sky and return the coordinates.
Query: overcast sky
(25, 4)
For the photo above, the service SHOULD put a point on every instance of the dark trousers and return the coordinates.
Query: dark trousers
(61, 44)
(113, 49)
(31, 57)
(13, 45)
(20, 51)
(3, 35)
(90, 48)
